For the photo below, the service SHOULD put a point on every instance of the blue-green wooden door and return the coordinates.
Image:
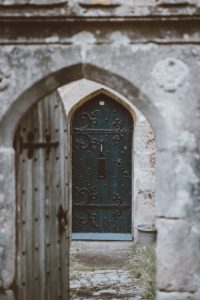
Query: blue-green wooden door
(102, 131)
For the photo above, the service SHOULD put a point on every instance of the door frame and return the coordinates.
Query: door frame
(70, 107)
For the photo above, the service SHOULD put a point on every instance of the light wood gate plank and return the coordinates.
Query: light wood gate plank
(64, 198)
(48, 193)
(41, 189)
(36, 220)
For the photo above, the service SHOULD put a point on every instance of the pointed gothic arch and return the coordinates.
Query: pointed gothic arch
(41, 89)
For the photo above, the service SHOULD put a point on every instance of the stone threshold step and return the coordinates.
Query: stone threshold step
(102, 236)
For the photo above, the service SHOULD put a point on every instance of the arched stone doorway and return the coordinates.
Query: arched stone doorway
(77, 94)
(23, 103)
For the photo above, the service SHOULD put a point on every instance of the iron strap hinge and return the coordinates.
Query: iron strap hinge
(101, 206)
(31, 146)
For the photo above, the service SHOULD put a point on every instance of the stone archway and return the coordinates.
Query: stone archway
(23, 103)
(143, 171)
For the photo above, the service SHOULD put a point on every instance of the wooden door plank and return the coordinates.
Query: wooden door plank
(41, 204)
(20, 218)
(43, 267)
(58, 195)
(63, 174)
(28, 241)
(48, 171)
(35, 198)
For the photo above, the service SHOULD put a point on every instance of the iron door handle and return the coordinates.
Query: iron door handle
(101, 167)
(62, 219)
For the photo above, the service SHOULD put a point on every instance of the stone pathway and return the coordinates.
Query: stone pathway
(101, 270)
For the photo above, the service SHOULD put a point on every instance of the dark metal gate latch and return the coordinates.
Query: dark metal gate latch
(62, 219)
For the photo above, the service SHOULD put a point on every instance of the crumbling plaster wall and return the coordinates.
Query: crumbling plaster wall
(152, 60)
(143, 156)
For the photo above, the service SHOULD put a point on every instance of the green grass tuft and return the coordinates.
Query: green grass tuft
(143, 269)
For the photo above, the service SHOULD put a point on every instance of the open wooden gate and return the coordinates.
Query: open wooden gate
(42, 202)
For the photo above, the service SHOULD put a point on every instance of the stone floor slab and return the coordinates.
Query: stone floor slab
(101, 270)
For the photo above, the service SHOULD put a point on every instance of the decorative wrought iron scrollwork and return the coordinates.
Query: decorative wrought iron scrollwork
(83, 138)
(85, 119)
(85, 141)
(85, 218)
(117, 207)
(121, 132)
(85, 195)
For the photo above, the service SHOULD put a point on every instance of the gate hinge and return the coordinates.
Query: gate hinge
(31, 146)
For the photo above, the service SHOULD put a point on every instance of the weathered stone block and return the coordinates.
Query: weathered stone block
(175, 296)
(178, 257)
(176, 2)
(99, 3)
(145, 161)
(144, 138)
(183, 184)
(7, 217)
(29, 2)
(147, 175)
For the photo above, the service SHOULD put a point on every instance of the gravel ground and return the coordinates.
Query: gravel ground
(101, 270)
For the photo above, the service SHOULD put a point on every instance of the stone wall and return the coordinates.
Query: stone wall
(144, 173)
(150, 55)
